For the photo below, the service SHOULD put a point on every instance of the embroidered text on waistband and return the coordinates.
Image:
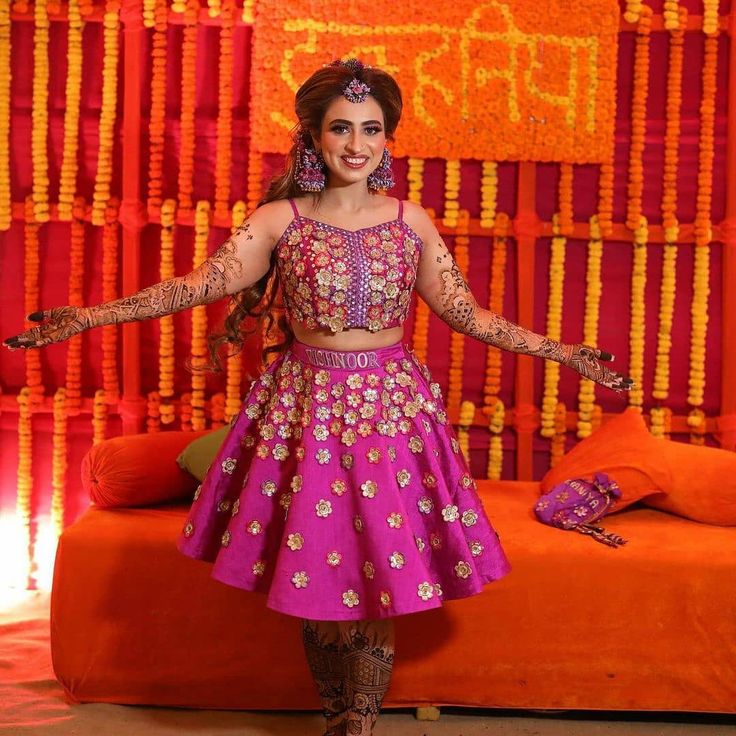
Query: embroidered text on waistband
(330, 359)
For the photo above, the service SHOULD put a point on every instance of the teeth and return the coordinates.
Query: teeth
(355, 160)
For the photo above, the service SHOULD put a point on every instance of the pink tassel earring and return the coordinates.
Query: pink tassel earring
(383, 177)
(310, 168)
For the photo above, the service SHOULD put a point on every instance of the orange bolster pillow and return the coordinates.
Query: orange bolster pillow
(138, 469)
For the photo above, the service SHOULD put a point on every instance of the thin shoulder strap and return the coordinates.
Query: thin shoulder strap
(293, 207)
(401, 210)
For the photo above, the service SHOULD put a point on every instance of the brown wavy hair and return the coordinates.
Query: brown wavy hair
(311, 103)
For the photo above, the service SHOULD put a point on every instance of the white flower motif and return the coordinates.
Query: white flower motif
(421, 544)
(300, 579)
(268, 488)
(320, 432)
(350, 598)
(425, 504)
(394, 520)
(295, 541)
(228, 465)
(403, 477)
(476, 549)
(463, 570)
(425, 590)
(470, 517)
(397, 560)
(369, 488)
(334, 558)
(450, 513)
(323, 508)
(323, 456)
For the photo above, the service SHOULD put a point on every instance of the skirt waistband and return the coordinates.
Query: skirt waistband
(349, 360)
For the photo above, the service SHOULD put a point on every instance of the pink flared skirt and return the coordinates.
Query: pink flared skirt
(341, 493)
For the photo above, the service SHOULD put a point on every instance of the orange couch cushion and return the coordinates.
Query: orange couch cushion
(623, 448)
(134, 621)
(693, 481)
(138, 470)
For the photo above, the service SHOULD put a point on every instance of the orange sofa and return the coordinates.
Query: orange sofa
(576, 625)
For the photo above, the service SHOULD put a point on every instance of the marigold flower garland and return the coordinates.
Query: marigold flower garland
(461, 255)
(149, 13)
(671, 13)
(415, 179)
(31, 300)
(58, 462)
(593, 290)
(605, 195)
(488, 193)
(710, 17)
(234, 375)
(255, 179)
(248, 11)
(452, 193)
(188, 104)
(638, 118)
(638, 311)
(73, 381)
(666, 311)
(24, 483)
(72, 102)
(110, 233)
(199, 318)
(223, 157)
(496, 420)
(99, 417)
(108, 110)
(633, 11)
(6, 203)
(554, 328)
(699, 328)
(559, 437)
(215, 7)
(166, 356)
(703, 233)
(217, 409)
(565, 199)
(39, 112)
(157, 124)
(467, 412)
(672, 130)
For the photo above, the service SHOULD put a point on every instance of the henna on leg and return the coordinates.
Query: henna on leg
(368, 654)
(323, 648)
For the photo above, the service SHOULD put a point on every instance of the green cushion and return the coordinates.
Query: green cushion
(198, 455)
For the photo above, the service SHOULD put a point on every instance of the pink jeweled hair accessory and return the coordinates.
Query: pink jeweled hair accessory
(355, 91)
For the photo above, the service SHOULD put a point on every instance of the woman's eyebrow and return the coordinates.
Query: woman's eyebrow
(347, 122)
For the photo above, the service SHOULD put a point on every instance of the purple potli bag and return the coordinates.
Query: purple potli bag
(575, 504)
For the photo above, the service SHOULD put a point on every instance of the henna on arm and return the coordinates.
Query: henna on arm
(457, 306)
(220, 274)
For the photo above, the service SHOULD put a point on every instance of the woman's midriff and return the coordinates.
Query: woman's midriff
(352, 339)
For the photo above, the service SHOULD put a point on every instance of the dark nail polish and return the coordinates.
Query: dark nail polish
(606, 356)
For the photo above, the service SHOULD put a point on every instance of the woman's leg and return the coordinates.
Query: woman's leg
(322, 645)
(368, 655)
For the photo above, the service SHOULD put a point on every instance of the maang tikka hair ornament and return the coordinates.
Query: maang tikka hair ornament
(355, 91)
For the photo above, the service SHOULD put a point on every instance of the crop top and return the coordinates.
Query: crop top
(340, 278)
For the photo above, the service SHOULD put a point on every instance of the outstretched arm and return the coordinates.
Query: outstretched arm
(442, 285)
(238, 263)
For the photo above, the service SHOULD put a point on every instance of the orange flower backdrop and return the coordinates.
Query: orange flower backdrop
(134, 135)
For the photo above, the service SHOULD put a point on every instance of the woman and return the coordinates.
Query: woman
(340, 490)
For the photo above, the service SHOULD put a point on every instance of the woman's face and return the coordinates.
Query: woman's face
(352, 139)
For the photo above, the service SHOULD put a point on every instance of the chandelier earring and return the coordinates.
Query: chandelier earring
(382, 178)
(310, 168)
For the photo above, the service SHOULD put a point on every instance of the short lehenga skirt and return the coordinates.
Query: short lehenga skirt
(341, 492)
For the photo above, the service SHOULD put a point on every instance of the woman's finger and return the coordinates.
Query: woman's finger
(37, 316)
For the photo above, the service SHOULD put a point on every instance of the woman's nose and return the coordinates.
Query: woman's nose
(354, 143)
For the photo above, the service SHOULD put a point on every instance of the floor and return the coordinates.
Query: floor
(32, 704)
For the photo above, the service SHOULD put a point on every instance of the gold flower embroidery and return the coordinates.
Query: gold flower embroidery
(254, 527)
(385, 598)
(198, 491)
(188, 529)
(429, 480)
(280, 452)
(346, 460)
(397, 560)
(403, 477)
(358, 524)
(334, 558)
(415, 444)
(373, 454)
(323, 456)
(369, 488)
(425, 504)
(463, 570)
(420, 543)
(476, 548)
(259, 567)
(295, 541)
(323, 508)
(268, 488)
(236, 507)
(224, 505)
(470, 517)
(450, 513)
(394, 520)
(435, 541)
(425, 590)
(350, 598)
(369, 570)
(226, 537)
(338, 486)
(296, 483)
(228, 465)
(300, 579)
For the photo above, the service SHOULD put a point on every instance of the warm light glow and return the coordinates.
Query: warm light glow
(44, 553)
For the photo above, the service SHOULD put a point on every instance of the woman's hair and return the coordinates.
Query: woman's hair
(312, 101)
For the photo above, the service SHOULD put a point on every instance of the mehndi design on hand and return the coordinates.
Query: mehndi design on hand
(207, 283)
(462, 312)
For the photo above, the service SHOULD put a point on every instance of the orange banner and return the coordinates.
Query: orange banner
(516, 80)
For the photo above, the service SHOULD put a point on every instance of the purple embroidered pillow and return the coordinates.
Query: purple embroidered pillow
(577, 503)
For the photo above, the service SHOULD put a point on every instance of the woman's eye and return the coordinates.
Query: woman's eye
(339, 128)
(373, 130)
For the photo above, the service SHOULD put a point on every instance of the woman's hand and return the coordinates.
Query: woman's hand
(57, 324)
(588, 362)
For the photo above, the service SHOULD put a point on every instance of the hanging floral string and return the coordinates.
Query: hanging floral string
(415, 179)
(99, 417)
(149, 13)
(188, 103)
(248, 10)
(24, 478)
(108, 110)
(461, 253)
(215, 7)
(110, 292)
(217, 409)
(255, 179)
(5, 77)
(199, 318)
(488, 193)
(671, 13)
(638, 118)
(73, 382)
(467, 412)
(672, 129)
(565, 199)
(559, 435)
(452, 193)
(703, 232)
(605, 195)
(710, 17)
(638, 312)
(31, 300)
(58, 462)
(496, 420)
(633, 11)
(39, 112)
(72, 102)
(554, 328)
(234, 375)
(223, 158)
(593, 290)
(166, 353)
(698, 332)
(157, 124)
